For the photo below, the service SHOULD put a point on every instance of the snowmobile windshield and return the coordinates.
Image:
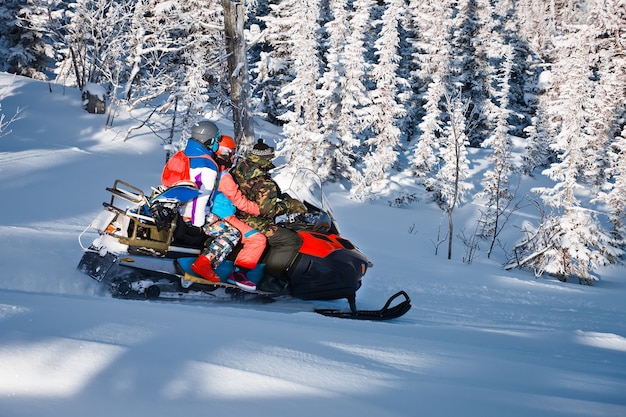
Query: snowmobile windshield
(306, 187)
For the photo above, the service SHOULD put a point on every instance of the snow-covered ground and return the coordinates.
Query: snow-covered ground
(479, 341)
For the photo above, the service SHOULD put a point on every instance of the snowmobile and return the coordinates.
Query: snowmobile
(144, 251)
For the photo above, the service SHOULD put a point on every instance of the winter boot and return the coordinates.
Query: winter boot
(202, 266)
(239, 278)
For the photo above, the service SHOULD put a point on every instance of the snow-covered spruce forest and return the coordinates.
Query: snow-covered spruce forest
(367, 91)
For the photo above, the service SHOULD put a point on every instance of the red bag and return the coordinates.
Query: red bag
(176, 170)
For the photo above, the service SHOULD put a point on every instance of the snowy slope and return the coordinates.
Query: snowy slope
(479, 341)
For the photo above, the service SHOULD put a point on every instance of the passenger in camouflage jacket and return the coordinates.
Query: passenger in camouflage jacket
(256, 184)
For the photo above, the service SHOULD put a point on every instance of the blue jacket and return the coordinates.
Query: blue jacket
(194, 148)
(222, 205)
(203, 171)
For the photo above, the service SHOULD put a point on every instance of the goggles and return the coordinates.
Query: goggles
(225, 153)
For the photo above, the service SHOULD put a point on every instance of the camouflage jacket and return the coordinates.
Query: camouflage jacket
(257, 185)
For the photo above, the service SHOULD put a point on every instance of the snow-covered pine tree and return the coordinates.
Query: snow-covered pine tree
(331, 92)
(535, 24)
(608, 20)
(432, 60)
(303, 145)
(468, 68)
(384, 111)
(572, 244)
(579, 244)
(424, 157)
(352, 121)
(23, 47)
(409, 91)
(539, 132)
(615, 189)
(524, 70)
(432, 20)
(572, 111)
(608, 63)
(273, 69)
(490, 49)
(537, 150)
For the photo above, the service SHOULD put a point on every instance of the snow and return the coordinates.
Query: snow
(545, 78)
(479, 340)
(95, 90)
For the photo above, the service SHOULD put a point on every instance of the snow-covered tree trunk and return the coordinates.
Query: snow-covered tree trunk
(449, 184)
(274, 67)
(497, 179)
(234, 17)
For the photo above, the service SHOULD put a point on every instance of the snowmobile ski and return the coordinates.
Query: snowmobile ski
(385, 313)
(164, 290)
(223, 295)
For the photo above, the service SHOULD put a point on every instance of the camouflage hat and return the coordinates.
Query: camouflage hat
(262, 150)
